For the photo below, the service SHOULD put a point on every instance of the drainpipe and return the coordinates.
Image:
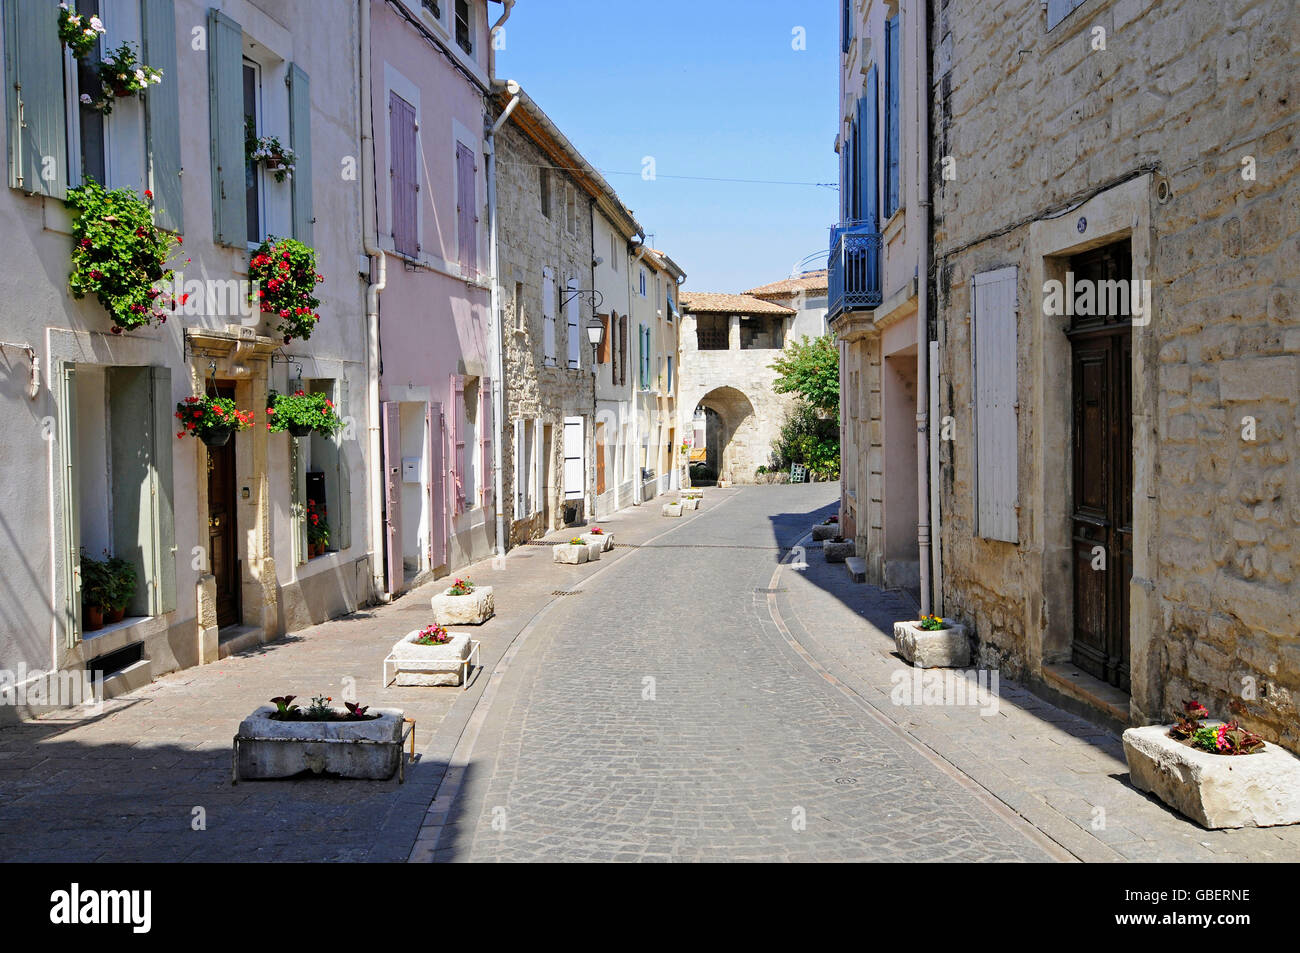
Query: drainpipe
(492, 48)
(638, 479)
(923, 307)
(369, 227)
(496, 333)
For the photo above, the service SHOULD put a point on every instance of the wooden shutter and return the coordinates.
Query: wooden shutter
(300, 143)
(69, 485)
(520, 468)
(36, 117)
(868, 157)
(600, 459)
(341, 530)
(455, 415)
(892, 77)
(392, 438)
(485, 429)
(404, 175)
(466, 209)
(226, 119)
(162, 111)
(548, 316)
(571, 314)
(624, 350)
(993, 370)
(164, 508)
(606, 346)
(573, 458)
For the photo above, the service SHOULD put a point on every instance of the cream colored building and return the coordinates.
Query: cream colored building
(656, 319)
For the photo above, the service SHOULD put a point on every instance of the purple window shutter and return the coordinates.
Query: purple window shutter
(405, 175)
(455, 413)
(486, 429)
(466, 217)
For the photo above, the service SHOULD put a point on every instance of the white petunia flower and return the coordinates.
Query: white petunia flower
(97, 24)
(85, 99)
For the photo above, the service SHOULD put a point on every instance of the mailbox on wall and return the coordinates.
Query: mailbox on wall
(410, 469)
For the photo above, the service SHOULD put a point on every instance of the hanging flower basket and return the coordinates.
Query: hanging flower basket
(269, 153)
(211, 419)
(283, 270)
(78, 33)
(121, 75)
(302, 414)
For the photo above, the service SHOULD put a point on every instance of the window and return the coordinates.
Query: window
(670, 373)
(866, 171)
(545, 176)
(573, 211)
(613, 252)
(433, 8)
(465, 26)
(643, 283)
(711, 332)
(672, 306)
(892, 83)
(253, 170)
(466, 210)
(525, 468)
(846, 26)
(1058, 10)
(993, 370)
(469, 474)
(761, 332)
(323, 462)
(403, 139)
(571, 310)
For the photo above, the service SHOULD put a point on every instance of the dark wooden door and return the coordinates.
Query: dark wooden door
(222, 549)
(1102, 512)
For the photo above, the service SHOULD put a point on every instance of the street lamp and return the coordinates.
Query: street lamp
(595, 335)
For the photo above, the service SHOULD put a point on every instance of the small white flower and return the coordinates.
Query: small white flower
(63, 6)
(85, 99)
(97, 24)
(139, 75)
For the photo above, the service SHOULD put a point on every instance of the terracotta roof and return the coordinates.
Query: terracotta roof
(707, 301)
(789, 287)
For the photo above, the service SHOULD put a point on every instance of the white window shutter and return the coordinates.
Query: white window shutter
(993, 370)
(574, 459)
(548, 316)
(521, 468)
(571, 312)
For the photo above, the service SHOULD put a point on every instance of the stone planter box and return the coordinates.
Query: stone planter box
(1215, 790)
(605, 539)
(594, 548)
(690, 503)
(940, 648)
(838, 552)
(570, 555)
(825, 531)
(672, 509)
(265, 748)
(472, 609)
(419, 665)
(692, 494)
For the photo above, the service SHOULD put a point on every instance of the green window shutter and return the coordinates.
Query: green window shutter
(71, 503)
(163, 537)
(297, 503)
(36, 116)
(300, 143)
(342, 523)
(130, 438)
(162, 113)
(226, 119)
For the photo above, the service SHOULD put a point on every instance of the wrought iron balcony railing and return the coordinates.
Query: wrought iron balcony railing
(854, 267)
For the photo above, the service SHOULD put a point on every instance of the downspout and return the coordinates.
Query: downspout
(379, 261)
(638, 478)
(923, 307)
(492, 41)
(497, 330)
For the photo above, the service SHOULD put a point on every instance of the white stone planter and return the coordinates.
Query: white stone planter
(838, 552)
(265, 748)
(605, 539)
(419, 665)
(1215, 790)
(472, 609)
(940, 648)
(672, 509)
(594, 548)
(825, 531)
(569, 554)
(692, 494)
(690, 503)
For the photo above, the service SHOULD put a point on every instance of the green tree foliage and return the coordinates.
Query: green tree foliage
(810, 438)
(810, 367)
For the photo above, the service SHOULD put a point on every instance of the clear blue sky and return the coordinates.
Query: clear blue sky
(707, 89)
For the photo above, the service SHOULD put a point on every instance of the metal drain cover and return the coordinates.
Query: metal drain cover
(829, 760)
(765, 592)
(566, 592)
(846, 780)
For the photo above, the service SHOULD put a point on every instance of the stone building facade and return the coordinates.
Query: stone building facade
(1120, 493)
(545, 195)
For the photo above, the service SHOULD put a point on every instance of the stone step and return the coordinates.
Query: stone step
(128, 679)
(857, 567)
(239, 638)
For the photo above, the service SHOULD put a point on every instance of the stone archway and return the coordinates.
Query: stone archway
(734, 437)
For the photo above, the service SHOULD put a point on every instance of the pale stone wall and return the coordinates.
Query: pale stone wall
(1183, 91)
(529, 242)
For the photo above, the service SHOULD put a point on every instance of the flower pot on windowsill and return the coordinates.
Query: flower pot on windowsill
(112, 616)
(216, 438)
(92, 618)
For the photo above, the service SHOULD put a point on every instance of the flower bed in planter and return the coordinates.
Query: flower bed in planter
(413, 664)
(605, 539)
(463, 603)
(690, 503)
(266, 747)
(1218, 774)
(827, 530)
(838, 549)
(946, 647)
(672, 509)
(570, 554)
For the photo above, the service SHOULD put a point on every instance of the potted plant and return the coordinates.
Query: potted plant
(120, 75)
(463, 603)
(121, 588)
(827, 529)
(281, 740)
(572, 553)
(119, 255)
(268, 152)
(837, 548)
(301, 414)
(932, 642)
(430, 656)
(318, 530)
(211, 419)
(283, 270)
(1217, 773)
(96, 591)
(79, 34)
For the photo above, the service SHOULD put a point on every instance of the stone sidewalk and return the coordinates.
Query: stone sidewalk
(1065, 775)
(133, 782)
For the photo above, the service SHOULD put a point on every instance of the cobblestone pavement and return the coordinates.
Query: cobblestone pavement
(659, 715)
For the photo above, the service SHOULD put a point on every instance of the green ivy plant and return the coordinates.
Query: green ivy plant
(283, 271)
(302, 410)
(119, 255)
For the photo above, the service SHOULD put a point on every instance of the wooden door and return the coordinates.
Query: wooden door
(600, 459)
(1102, 512)
(392, 446)
(222, 546)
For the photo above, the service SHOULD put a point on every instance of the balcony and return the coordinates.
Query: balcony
(854, 268)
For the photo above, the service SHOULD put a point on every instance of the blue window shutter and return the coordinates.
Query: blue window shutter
(226, 121)
(38, 141)
(300, 143)
(163, 598)
(342, 526)
(891, 116)
(868, 175)
(162, 113)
